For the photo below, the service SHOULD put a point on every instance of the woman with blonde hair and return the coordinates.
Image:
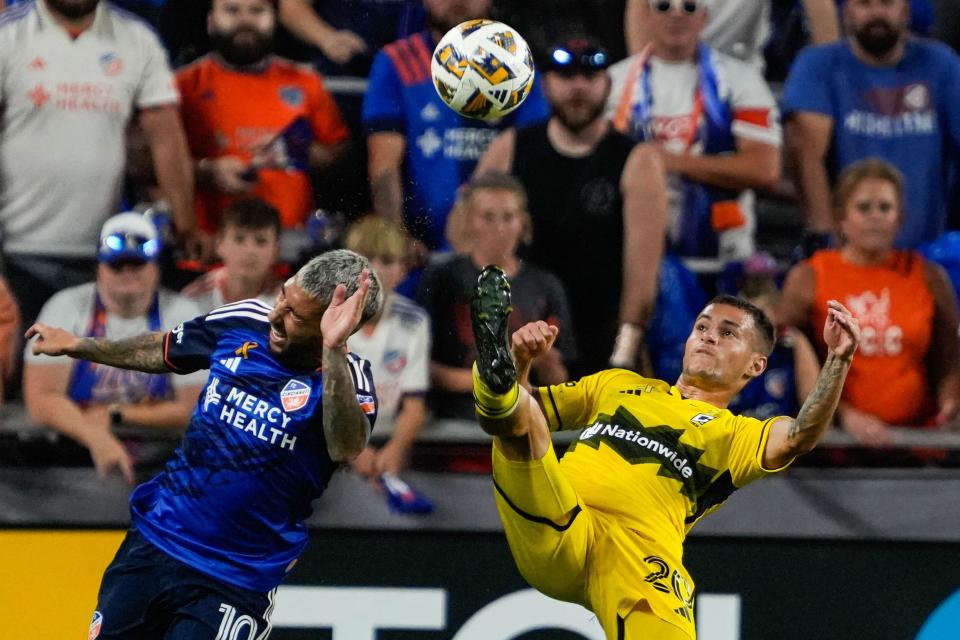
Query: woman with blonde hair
(908, 370)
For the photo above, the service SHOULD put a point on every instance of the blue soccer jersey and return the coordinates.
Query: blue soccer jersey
(442, 147)
(905, 114)
(233, 500)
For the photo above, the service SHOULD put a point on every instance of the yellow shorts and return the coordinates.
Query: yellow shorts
(586, 557)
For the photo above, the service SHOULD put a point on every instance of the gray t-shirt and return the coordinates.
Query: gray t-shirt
(72, 308)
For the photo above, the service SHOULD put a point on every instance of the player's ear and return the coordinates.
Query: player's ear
(757, 365)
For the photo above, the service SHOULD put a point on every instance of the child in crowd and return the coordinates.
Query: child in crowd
(397, 344)
(248, 242)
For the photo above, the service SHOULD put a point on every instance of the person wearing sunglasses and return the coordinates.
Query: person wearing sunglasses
(587, 189)
(739, 28)
(84, 401)
(715, 122)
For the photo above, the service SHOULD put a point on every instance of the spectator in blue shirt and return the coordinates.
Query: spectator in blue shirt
(880, 92)
(421, 151)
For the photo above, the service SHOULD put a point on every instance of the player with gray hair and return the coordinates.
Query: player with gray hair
(322, 274)
(285, 404)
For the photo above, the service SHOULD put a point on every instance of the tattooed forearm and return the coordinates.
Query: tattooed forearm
(141, 353)
(345, 426)
(817, 411)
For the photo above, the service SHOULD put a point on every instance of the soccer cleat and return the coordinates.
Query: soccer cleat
(489, 310)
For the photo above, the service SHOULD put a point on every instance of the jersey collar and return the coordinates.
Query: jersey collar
(101, 24)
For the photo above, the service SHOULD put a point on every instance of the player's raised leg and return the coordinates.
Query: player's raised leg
(546, 529)
(505, 407)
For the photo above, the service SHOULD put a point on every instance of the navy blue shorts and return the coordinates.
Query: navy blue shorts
(148, 595)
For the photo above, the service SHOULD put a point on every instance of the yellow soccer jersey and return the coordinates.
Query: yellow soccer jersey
(651, 458)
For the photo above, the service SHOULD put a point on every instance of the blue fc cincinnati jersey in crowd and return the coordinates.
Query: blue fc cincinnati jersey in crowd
(233, 500)
(442, 147)
(905, 114)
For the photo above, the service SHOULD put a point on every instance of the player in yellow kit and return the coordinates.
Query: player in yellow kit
(604, 527)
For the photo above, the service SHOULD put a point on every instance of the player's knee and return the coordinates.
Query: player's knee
(508, 427)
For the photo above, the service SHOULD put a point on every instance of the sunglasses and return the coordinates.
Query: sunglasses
(686, 7)
(146, 247)
(590, 58)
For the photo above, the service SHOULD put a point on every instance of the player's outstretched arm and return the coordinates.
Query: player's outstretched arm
(345, 426)
(140, 353)
(791, 438)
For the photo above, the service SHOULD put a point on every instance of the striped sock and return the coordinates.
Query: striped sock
(491, 404)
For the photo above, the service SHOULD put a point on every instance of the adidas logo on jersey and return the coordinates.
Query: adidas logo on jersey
(231, 363)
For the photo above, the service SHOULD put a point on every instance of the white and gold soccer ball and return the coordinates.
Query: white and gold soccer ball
(482, 69)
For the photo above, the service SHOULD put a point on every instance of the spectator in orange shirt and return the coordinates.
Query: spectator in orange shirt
(257, 124)
(907, 372)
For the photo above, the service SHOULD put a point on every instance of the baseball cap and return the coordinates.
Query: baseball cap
(128, 236)
(579, 54)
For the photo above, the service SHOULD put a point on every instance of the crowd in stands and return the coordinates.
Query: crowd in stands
(628, 187)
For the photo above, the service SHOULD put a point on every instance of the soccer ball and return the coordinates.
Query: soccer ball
(482, 69)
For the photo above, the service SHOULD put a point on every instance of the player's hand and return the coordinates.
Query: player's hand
(341, 46)
(343, 314)
(865, 428)
(108, 453)
(227, 175)
(532, 340)
(51, 341)
(841, 331)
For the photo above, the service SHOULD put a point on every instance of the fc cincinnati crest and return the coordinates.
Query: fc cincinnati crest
(292, 96)
(394, 361)
(95, 625)
(111, 63)
(294, 396)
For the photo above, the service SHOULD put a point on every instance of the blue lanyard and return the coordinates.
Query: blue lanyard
(86, 374)
(706, 100)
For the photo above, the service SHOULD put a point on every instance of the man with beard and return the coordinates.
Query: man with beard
(879, 93)
(420, 150)
(593, 194)
(285, 405)
(73, 73)
(257, 124)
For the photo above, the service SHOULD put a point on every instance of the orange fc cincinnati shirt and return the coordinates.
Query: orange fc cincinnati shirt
(229, 112)
(895, 308)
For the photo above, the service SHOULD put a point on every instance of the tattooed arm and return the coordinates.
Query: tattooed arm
(345, 426)
(791, 438)
(141, 353)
